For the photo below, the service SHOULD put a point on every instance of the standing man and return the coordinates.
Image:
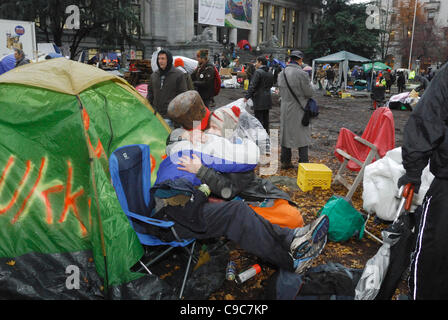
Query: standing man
(425, 140)
(20, 58)
(260, 91)
(330, 76)
(292, 133)
(401, 81)
(204, 78)
(165, 83)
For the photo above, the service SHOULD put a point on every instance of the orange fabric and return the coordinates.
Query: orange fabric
(179, 62)
(380, 131)
(281, 213)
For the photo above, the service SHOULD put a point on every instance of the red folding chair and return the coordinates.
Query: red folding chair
(356, 152)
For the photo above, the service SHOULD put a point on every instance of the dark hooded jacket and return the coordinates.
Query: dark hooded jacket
(426, 132)
(164, 85)
(260, 89)
(204, 81)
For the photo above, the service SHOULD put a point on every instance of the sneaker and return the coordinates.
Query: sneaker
(305, 247)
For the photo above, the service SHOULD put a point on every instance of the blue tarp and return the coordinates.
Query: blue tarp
(7, 63)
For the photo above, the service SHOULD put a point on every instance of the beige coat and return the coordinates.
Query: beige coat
(292, 133)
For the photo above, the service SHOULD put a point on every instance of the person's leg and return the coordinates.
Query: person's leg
(290, 249)
(285, 158)
(303, 154)
(238, 222)
(429, 278)
(266, 120)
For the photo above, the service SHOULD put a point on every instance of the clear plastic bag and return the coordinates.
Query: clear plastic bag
(249, 127)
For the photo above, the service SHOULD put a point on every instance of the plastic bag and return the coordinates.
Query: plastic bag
(190, 64)
(249, 127)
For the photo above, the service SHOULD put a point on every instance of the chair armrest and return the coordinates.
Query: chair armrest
(155, 222)
(349, 157)
(367, 143)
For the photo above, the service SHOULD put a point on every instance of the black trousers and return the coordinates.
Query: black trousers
(428, 278)
(285, 156)
(263, 117)
(238, 222)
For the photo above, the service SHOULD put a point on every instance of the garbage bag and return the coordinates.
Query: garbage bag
(376, 268)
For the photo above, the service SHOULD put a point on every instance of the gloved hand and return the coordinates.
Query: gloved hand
(405, 179)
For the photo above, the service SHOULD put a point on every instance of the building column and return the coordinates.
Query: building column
(233, 37)
(146, 18)
(288, 27)
(214, 32)
(306, 26)
(253, 34)
(300, 21)
(268, 22)
(180, 20)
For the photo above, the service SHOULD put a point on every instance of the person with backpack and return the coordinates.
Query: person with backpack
(260, 91)
(204, 77)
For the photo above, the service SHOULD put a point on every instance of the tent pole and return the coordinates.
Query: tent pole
(312, 72)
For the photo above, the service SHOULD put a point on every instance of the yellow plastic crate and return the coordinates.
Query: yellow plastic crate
(312, 175)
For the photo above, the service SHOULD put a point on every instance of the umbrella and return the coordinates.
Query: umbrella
(7, 63)
(307, 68)
(378, 66)
(281, 63)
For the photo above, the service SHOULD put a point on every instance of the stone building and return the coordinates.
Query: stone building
(277, 25)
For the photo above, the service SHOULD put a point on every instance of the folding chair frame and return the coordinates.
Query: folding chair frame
(373, 153)
(146, 239)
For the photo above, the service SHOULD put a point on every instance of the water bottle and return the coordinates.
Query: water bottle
(230, 271)
(249, 273)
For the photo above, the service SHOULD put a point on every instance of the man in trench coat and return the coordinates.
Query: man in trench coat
(292, 133)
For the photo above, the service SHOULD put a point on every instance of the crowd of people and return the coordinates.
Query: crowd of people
(287, 242)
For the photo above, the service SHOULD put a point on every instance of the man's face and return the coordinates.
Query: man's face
(163, 60)
(17, 55)
(258, 64)
(201, 60)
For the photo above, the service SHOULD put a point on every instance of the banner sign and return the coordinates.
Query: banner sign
(239, 14)
(211, 12)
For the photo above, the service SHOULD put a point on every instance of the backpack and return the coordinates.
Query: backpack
(345, 220)
(217, 82)
(331, 281)
(312, 108)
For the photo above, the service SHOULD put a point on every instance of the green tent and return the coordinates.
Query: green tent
(343, 58)
(60, 122)
(377, 66)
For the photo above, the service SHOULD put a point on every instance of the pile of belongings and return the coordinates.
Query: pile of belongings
(404, 101)
(380, 191)
(231, 83)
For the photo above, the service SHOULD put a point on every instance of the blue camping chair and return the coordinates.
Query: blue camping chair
(130, 169)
